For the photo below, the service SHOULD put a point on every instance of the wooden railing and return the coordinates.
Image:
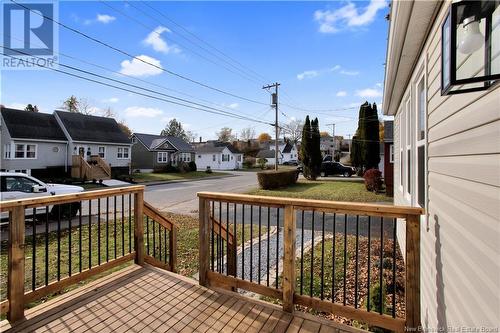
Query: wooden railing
(57, 241)
(102, 164)
(80, 168)
(336, 257)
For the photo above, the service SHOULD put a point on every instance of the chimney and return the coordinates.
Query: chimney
(200, 139)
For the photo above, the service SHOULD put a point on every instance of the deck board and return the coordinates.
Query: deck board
(151, 300)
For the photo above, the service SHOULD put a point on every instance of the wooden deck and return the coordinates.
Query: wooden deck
(147, 299)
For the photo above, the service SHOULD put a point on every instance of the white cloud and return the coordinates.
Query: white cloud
(104, 18)
(233, 106)
(158, 44)
(379, 85)
(332, 21)
(110, 100)
(350, 73)
(341, 93)
(139, 111)
(307, 75)
(369, 93)
(335, 68)
(136, 67)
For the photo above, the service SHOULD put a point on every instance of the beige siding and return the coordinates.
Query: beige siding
(460, 249)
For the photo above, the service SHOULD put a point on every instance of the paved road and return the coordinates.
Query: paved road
(181, 197)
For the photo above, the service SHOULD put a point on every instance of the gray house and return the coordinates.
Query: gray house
(151, 152)
(52, 145)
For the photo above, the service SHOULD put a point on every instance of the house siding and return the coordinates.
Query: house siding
(110, 155)
(460, 235)
(206, 159)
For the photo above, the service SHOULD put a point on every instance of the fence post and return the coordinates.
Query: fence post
(172, 246)
(412, 289)
(139, 227)
(204, 242)
(15, 278)
(289, 259)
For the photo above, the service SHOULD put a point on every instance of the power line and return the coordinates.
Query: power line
(139, 59)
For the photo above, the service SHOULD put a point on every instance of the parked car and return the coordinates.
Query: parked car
(14, 185)
(291, 162)
(336, 168)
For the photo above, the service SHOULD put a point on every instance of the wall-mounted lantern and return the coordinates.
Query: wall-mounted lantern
(88, 151)
(470, 56)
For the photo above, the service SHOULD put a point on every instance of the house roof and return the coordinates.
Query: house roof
(217, 147)
(288, 148)
(208, 149)
(266, 153)
(32, 125)
(83, 127)
(388, 131)
(152, 141)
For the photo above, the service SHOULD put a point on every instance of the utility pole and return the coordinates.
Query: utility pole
(274, 102)
(333, 137)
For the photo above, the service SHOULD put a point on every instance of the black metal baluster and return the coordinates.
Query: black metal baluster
(251, 243)
(147, 234)
(227, 238)
(130, 223)
(123, 225)
(99, 231)
(154, 236)
(356, 262)
(46, 245)
(394, 221)
(159, 241)
(69, 240)
(268, 241)
(90, 234)
(107, 229)
(334, 254)
(114, 225)
(302, 256)
(221, 239)
(235, 246)
(80, 238)
(58, 243)
(323, 256)
(381, 270)
(345, 258)
(311, 282)
(243, 241)
(369, 261)
(213, 238)
(277, 244)
(33, 256)
(259, 238)
(165, 245)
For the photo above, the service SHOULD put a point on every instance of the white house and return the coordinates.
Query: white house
(447, 153)
(270, 156)
(218, 156)
(287, 151)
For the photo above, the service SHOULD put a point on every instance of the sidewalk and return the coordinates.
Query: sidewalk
(163, 182)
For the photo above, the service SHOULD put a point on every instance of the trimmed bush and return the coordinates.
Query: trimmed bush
(272, 179)
(262, 163)
(184, 167)
(169, 168)
(373, 180)
(249, 162)
(192, 166)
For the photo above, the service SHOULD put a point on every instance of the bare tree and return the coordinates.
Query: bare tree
(294, 130)
(191, 136)
(247, 134)
(225, 134)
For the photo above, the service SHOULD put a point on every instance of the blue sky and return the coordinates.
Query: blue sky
(326, 55)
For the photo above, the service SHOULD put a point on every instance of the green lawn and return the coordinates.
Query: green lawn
(326, 190)
(153, 177)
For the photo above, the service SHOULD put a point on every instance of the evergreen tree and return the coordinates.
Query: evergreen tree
(310, 149)
(372, 144)
(358, 141)
(304, 147)
(174, 128)
(315, 149)
(31, 108)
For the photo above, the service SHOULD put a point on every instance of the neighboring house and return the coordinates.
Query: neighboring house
(327, 145)
(287, 151)
(388, 157)
(381, 165)
(32, 142)
(49, 145)
(270, 156)
(447, 160)
(152, 152)
(218, 156)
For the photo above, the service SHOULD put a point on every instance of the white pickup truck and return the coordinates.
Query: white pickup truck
(16, 185)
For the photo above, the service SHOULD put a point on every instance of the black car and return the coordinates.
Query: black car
(336, 168)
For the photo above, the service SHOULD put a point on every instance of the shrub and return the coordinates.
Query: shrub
(373, 180)
(262, 163)
(276, 178)
(192, 166)
(169, 168)
(248, 162)
(184, 167)
(208, 170)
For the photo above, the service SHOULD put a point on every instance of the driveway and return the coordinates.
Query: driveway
(181, 197)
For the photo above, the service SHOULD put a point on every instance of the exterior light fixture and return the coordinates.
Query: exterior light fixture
(470, 56)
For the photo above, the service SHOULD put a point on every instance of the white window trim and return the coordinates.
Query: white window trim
(13, 156)
(104, 152)
(401, 150)
(408, 147)
(7, 154)
(162, 153)
(421, 142)
(391, 153)
(123, 153)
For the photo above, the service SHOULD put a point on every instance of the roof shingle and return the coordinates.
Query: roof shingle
(32, 125)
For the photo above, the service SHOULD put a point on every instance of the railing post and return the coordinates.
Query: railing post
(412, 289)
(139, 227)
(172, 247)
(15, 279)
(289, 259)
(204, 242)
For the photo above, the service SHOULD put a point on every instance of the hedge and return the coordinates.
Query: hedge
(272, 179)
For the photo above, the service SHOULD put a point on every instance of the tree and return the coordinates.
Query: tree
(324, 134)
(264, 137)
(84, 107)
(124, 127)
(247, 134)
(372, 138)
(381, 130)
(294, 130)
(174, 128)
(225, 134)
(191, 136)
(315, 149)
(310, 150)
(31, 108)
(71, 104)
(357, 146)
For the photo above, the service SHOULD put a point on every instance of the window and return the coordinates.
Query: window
(401, 145)
(122, 152)
(18, 184)
(162, 157)
(239, 158)
(421, 136)
(225, 157)
(213, 158)
(133, 140)
(25, 151)
(199, 156)
(408, 131)
(391, 153)
(6, 153)
(101, 151)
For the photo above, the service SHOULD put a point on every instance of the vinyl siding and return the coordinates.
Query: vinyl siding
(460, 236)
